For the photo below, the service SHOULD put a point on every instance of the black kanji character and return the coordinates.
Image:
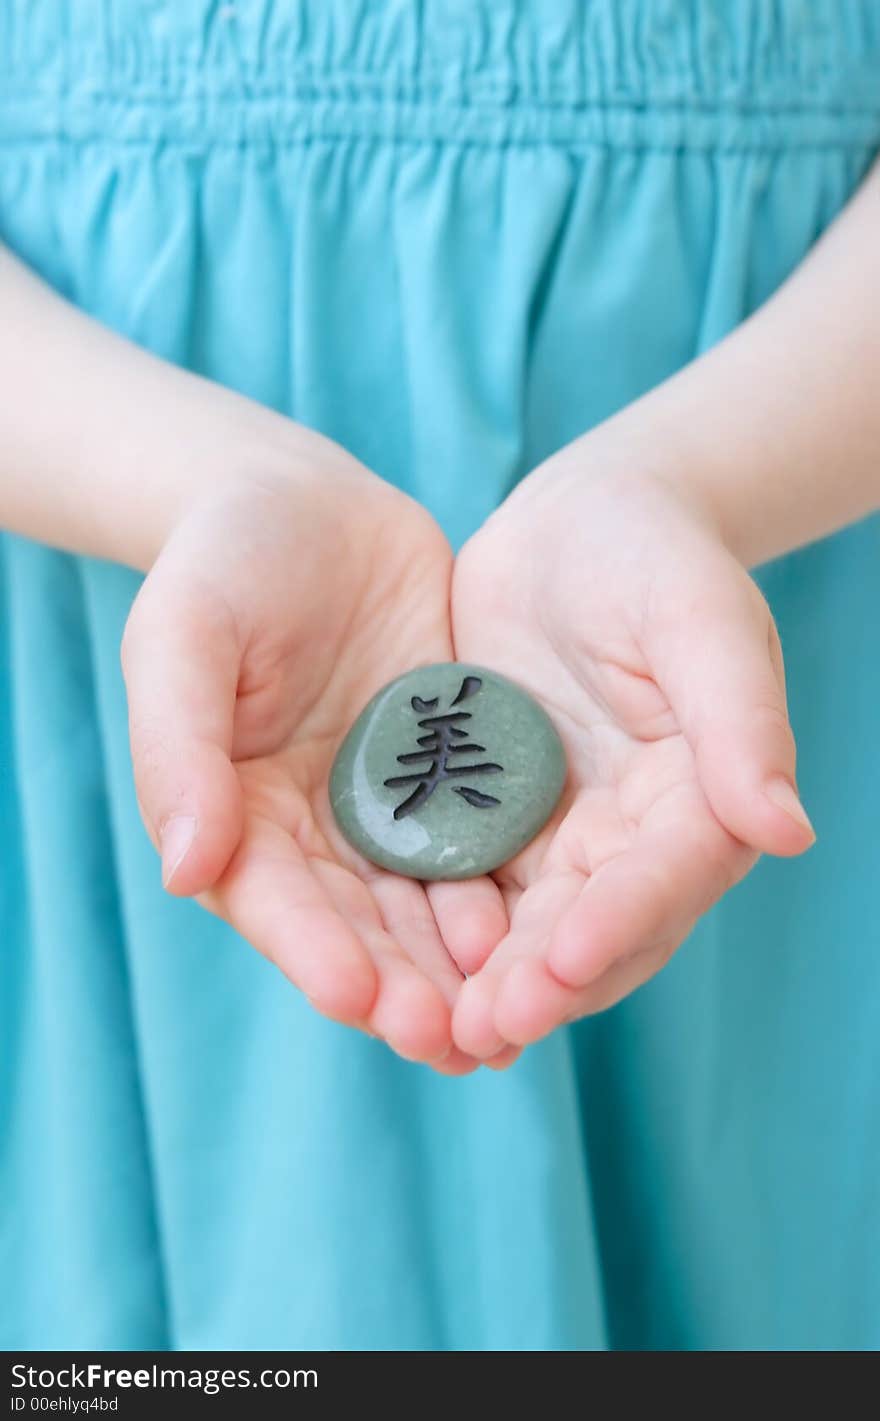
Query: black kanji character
(441, 742)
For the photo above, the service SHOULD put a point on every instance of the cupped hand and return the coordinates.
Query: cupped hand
(614, 600)
(277, 607)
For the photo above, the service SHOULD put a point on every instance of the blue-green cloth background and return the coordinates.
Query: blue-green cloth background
(451, 234)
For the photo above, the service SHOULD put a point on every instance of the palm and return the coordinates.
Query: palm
(634, 853)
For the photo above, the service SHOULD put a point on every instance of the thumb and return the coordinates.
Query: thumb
(721, 669)
(180, 660)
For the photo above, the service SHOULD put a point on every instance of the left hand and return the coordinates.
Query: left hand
(613, 599)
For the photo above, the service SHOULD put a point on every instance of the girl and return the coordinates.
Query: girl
(438, 241)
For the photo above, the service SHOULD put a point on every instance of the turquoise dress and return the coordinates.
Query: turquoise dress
(451, 234)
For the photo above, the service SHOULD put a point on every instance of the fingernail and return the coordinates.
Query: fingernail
(782, 793)
(176, 838)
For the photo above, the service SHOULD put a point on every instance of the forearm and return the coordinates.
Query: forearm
(102, 445)
(776, 430)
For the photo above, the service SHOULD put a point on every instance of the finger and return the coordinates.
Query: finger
(271, 897)
(455, 1064)
(622, 978)
(720, 666)
(532, 1002)
(504, 1059)
(408, 917)
(471, 918)
(474, 1025)
(473, 1018)
(652, 892)
(409, 1011)
(180, 659)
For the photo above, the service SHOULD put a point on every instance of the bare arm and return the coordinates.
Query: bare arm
(102, 445)
(776, 430)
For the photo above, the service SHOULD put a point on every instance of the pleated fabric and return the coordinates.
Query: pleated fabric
(452, 235)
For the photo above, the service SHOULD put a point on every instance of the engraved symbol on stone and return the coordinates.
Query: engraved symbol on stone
(443, 741)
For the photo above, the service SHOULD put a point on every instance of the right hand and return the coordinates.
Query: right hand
(275, 610)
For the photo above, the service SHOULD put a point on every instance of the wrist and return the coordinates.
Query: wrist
(217, 455)
(639, 458)
(202, 444)
(670, 440)
(239, 453)
(206, 445)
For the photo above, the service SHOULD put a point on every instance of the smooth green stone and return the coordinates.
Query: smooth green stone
(447, 836)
